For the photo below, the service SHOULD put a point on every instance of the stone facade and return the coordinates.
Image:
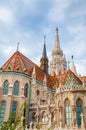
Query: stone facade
(55, 100)
(73, 96)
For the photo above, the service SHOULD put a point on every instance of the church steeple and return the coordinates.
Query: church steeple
(57, 49)
(44, 59)
(58, 61)
(44, 54)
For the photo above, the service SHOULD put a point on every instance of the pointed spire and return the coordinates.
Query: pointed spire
(57, 49)
(57, 43)
(44, 59)
(58, 61)
(73, 67)
(44, 54)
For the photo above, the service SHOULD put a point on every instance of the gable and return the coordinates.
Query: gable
(71, 79)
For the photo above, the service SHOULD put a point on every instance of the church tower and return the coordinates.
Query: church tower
(44, 59)
(58, 61)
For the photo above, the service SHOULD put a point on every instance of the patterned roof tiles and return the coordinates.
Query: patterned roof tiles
(19, 63)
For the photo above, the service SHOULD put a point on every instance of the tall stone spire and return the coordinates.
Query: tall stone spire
(57, 49)
(73, 67)
(44, 59)
(58, 61)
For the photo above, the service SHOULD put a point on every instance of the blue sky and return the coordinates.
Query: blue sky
(27, 21)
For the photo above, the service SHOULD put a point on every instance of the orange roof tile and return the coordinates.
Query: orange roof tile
(83, 77)
(62, 77)
(19, 63)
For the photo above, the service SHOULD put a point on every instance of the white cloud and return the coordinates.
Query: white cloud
(77, 47)
(81, 69)
(58, 10)
(78, 13)
(6, 15)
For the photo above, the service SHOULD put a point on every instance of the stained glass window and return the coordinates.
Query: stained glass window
(5, 89)
(26, 90)
(16, 88)
(68, 115)
(79, 111)
(2, 112)
(14, 105)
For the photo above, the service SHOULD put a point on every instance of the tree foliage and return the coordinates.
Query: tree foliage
(14, 121)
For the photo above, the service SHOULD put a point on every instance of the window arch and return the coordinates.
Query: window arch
(44, 116)
(5, 89)
(14, 106)
(79, 110)
(33, 115)
(68, 112)
(26, 90)
(2, 112)
(38, 92)
(16, 88)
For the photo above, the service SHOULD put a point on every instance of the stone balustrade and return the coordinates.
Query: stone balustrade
(71, 87)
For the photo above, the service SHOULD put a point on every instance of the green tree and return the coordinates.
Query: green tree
(13, 121)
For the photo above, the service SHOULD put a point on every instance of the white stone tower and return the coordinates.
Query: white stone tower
(73, 67)
(58, 61)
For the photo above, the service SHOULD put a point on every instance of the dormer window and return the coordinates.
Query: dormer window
(17, 68)
(9, 68)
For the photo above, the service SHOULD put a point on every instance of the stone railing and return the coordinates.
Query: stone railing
(71, 87)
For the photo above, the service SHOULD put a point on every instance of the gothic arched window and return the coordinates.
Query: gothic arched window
(79, 111)
(38, 92)
(33, 115)
(5, 88)
(44, 116)
(68, 113)
(2, 111)
(26, 90)
(14, 106)
(16, 88)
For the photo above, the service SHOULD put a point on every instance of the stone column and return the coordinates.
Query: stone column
(82, 120)
(60, 117)
(73, 116)
(84, 111)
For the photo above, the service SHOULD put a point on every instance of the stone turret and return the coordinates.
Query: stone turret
(73, 67)
(58, 61)
(44, 59)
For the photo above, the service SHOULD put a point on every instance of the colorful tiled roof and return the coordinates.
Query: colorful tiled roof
(68, 77)
(83, 77)
(19, 63)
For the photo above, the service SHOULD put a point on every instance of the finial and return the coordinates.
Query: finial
(57, 29)
(18, 46)
(44, 39)
(72, 56)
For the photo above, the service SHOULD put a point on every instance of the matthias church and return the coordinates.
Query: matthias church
(55, 98)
